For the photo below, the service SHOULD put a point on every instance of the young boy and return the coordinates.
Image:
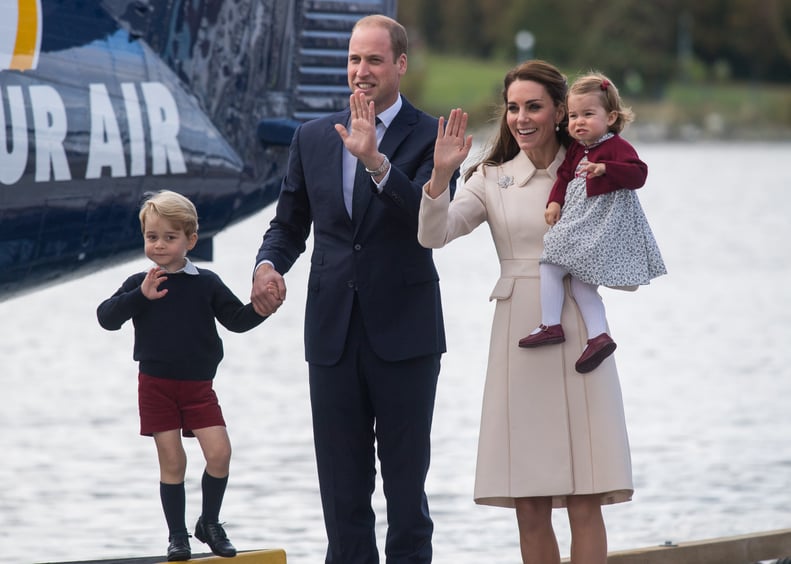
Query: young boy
(173, 307)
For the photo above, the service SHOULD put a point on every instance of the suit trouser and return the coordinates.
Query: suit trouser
(357, 403)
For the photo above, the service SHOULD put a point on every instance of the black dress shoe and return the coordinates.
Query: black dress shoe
(179, 547)
(214, 535)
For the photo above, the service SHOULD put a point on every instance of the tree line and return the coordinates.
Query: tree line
(644, 44)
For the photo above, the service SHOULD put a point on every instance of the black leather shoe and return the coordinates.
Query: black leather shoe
(179, 547)
(214, 535)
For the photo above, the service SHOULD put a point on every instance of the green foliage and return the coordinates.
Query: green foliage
(439, 83)
(707, 105)
(743, 105)
(661, 40)
(710, 66)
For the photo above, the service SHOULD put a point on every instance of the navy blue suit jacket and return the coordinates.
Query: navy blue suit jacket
(377, 257)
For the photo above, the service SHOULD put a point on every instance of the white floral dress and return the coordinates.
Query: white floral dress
(605, 239)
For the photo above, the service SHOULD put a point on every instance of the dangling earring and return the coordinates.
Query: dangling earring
(557, 127)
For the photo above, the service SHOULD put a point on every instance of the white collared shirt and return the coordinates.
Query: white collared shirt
(188, 268)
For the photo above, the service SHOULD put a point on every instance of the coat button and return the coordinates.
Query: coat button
(357, 246)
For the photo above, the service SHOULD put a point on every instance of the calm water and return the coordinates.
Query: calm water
(703, 355)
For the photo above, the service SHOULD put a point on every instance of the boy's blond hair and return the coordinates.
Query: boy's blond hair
(174, 207)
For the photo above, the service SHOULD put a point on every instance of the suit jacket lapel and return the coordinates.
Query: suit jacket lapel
(399, 128)
(334, 157)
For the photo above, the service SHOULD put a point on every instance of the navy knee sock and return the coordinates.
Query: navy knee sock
(174, 506)
(213, 492)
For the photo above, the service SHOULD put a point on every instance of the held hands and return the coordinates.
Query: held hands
(269, 290)
(552, 213)
(450, 150)
(360, 140)
(150, 284)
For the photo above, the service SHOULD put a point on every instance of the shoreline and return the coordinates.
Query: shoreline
(648, 131)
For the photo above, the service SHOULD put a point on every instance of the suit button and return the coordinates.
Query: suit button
(350, 283)
(357, 246)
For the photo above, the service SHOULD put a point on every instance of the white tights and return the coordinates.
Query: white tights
(586, 295)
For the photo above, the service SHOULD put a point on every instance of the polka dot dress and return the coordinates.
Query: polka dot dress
(605, 239)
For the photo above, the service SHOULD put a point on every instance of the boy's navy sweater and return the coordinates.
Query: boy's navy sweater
(176, 336)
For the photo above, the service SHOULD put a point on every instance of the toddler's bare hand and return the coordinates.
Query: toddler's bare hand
(552, 213)
(595, 169)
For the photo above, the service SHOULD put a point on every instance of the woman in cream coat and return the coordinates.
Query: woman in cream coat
(550, 436)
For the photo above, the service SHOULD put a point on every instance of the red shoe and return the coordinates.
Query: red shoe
(599, 348)
(551, 335)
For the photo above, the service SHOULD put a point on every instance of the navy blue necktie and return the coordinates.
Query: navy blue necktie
(362, 189)
(362, 182)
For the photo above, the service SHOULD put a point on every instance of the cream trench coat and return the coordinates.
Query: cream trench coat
(546, 430)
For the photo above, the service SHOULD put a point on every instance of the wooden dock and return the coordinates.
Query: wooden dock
(770, 546)
(767, 547)
(275, 556)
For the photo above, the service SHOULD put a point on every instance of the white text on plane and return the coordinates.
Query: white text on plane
(109, 151)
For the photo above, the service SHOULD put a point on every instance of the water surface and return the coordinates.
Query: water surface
(703, 355)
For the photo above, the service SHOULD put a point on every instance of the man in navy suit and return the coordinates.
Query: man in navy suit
(374, 331)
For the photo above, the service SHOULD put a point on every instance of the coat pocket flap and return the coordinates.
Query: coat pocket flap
(503, 289)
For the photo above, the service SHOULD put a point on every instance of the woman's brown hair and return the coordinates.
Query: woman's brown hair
(504, 147)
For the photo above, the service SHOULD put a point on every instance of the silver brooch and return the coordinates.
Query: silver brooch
(505, 181)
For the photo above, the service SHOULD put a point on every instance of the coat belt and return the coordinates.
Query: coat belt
(519, 268)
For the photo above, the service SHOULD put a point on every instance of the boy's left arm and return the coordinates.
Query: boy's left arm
(232, 313)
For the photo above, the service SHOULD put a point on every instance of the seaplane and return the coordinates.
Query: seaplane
(103, 102)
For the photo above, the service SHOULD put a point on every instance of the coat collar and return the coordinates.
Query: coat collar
(520, 170)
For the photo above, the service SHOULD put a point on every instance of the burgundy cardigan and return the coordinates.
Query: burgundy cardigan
(624, 168)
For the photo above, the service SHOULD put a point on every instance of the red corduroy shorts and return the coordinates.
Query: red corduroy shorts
(176, 404)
